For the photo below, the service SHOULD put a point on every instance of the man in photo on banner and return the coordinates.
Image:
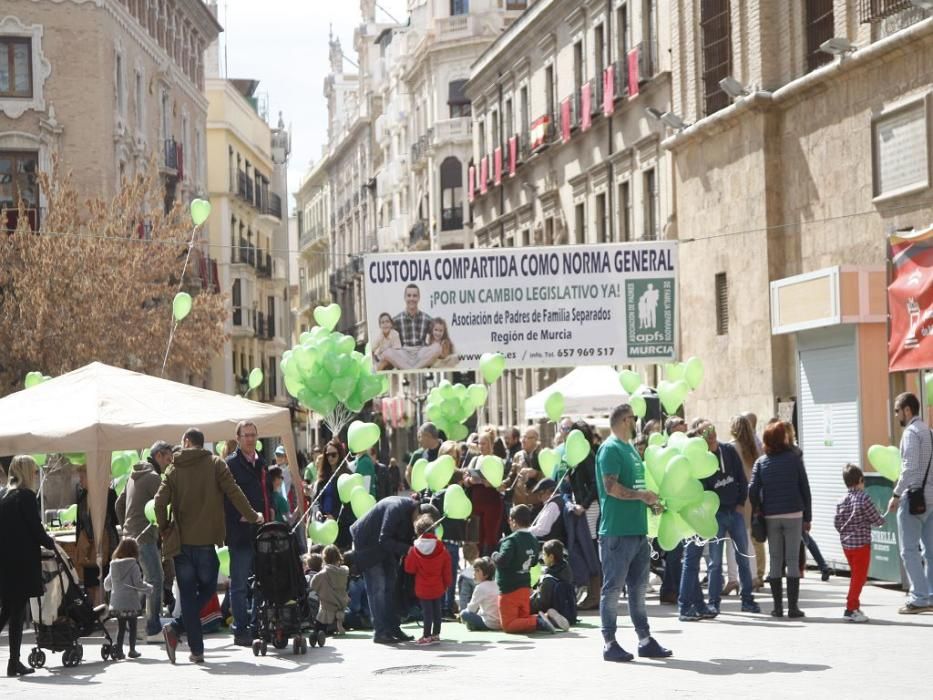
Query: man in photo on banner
(414, 327)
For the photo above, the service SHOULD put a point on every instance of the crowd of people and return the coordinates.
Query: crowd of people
(537, 549)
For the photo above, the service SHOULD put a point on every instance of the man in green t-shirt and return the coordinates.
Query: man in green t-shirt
(367, 469)
(623, 542)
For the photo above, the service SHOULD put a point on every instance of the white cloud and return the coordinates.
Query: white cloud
(283, 44)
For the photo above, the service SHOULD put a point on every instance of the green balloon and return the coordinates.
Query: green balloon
(149, 511)
(676, 475)
(693, 372)
(181, 306)
(576, 448)
(324, 533)
(493, 469)
(39, 460)
(535, 573)
(76, 458)
(491, 366)
(33, 379)
(630, 381)
(554, 406)
(255, 378)
(672, 394)
(223, 557)
(345, 485)
(677, 441)
(478, 394)
(670, 530)
(654, 522)
(674, 371)
(120, 464)
(548, 460)
(200, 210)
(695, 445)
(703, 465)
(361, 501)
(69, 514)
(342, 387)
(886, 460)
(639, 405)
(327, 316)
(439, 472)
(361, 436)
(119, 484)
(419, 479)
(457, 432)
(657, 439)
(457, 505)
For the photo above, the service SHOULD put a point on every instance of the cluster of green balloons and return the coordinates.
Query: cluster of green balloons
(34, 379)
(680, 379)
(450, 405)
(886, 460)
(325, 370)
(674, 472)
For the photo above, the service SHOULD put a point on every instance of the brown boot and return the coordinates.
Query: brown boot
(591, 599)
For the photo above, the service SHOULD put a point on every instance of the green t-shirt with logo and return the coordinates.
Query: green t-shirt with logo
(617, 517)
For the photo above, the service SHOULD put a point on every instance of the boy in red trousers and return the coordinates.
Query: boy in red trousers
(429, 562)
(855, 516)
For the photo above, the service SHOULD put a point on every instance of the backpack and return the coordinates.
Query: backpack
(565, 597)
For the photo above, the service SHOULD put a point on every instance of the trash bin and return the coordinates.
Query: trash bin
(885, 553)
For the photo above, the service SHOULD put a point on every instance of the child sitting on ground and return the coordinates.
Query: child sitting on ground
(482, 612)
(555, 596)
(313, 563)
(429, 562)
(331, 587)
(465, 580)
(517, 554)
(855, 516)
(279, 502)
(125, 583)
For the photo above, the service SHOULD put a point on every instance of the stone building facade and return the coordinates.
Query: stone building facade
(134, 92)
(564, 149)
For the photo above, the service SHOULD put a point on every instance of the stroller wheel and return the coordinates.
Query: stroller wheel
(296, 647)
(68, 658)
(321, 638)
(32, 659)
(263, 647)
(79, 654)
(256, 646)
(304, 645)
(105, 651)
(40, 658)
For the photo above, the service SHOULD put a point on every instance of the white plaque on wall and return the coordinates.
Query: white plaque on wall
(900, 141)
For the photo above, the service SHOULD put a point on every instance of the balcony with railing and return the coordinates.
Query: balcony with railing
(452, 130)
(313, 235)
(170, 154)
(244, 319)
(244, 253)
(241, 187)
(264, 265)
(272, 206)
(452, 218)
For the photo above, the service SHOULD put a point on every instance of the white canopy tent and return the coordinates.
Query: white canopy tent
(590, 394)
(98, 409)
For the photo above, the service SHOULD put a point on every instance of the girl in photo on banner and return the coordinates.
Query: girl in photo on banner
(439, 348)
(388, 339)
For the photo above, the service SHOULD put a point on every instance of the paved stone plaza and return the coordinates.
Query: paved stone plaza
(736, 653)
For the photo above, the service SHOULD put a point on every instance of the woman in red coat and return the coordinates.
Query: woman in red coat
(487, 501)
(429, 562)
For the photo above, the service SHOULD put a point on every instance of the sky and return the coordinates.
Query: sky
(283, 45)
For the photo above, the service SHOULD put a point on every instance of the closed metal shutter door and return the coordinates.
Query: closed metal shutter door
(828, 419)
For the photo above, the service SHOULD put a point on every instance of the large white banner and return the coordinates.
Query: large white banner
(540, 307)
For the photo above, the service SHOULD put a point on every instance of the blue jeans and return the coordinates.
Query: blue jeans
(915, 533)
(241, 568)
(196, 572)
(691, 595)
(732, 522)
(150, 559)
(625, 560)
(473, 621)
(672, 568)
(814, 551)
(451, 594)
(380, 590)
(466, 591)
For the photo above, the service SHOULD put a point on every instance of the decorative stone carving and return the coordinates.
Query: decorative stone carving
(15, 107)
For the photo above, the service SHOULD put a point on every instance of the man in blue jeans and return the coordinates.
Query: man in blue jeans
(380, 539)
(730, 484)
(195, 486)
(249, 471)
(623, 536)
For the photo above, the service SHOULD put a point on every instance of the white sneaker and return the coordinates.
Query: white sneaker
(544, 624)
(857, 616)
(558, 620)
(154, 638)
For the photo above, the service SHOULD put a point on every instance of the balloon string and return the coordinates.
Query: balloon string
(321, 493)
(181, 282)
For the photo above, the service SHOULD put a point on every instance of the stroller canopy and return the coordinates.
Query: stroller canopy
(98, 409)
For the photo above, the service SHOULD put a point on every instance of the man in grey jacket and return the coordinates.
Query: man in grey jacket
(141, 488)
(915, 532)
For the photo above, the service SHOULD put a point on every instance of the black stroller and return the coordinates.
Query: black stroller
(280, 590)
(63, 614)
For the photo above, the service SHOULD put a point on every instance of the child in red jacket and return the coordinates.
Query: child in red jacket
(430, 564)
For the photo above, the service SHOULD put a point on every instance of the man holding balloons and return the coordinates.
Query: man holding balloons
(623, 540)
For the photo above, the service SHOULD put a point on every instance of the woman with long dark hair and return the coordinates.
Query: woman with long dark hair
(329, 505)
(779, 489)
(20, 557)
(743, 439)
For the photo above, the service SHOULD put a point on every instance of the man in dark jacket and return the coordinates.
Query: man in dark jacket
(141, 488)
(730, 484)
(380, 539)
(249, 472)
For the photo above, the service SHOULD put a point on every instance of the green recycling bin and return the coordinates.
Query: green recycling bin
(885, 552)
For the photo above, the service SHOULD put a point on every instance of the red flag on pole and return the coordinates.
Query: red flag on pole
(497, 165)
(910, 301)
(633, 72)
(513, 154)
(609, 84)
(565, 120)
(586, 106)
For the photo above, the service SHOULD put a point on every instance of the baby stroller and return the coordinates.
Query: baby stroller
(280, 590)
(63, 614)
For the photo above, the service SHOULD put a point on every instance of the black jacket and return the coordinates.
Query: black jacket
(23, 534)
(253, 482)
(83, 520)
(454, 530)
(779, 485)
(545, 597)
(581, 482)
(729, 482)
(385, 533)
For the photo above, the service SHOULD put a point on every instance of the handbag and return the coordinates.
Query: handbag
(916, 503)
(759, 527)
